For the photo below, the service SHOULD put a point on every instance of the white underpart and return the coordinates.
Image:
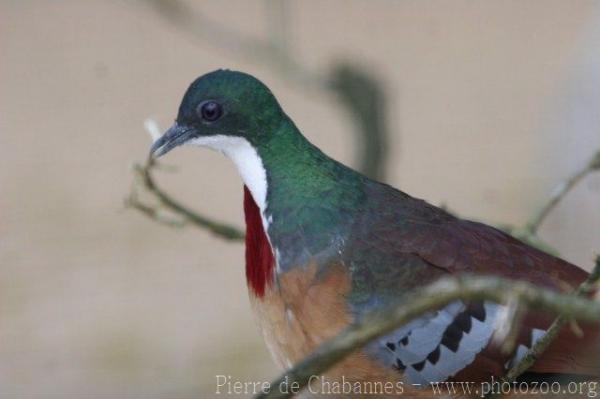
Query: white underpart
(247, 162)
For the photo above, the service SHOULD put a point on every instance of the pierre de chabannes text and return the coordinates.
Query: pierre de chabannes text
(226, 385)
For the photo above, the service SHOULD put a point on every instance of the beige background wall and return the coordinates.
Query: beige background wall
(492, 105)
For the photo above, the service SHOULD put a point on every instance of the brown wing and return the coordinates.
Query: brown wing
(461, 246)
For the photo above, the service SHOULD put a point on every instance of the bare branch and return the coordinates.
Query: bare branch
(145, 180)
(431, 297)
(272, 52)
(152, 212)
(560, 192)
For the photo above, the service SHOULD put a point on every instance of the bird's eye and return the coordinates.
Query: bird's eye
(210, 111)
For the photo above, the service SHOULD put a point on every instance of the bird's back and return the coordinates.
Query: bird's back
(401, 243)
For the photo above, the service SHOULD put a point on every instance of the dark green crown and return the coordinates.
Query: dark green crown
(249, 108)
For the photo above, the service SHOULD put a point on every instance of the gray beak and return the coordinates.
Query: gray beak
(175, 136)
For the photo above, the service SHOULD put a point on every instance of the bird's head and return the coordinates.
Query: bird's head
(222, 109)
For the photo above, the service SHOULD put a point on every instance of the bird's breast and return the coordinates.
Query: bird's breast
(300, 311)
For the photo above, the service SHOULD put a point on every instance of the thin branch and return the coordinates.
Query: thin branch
(143, 180)
(431, 297)
(529, 232)
(220, 229)
(271, 52)
(152, 212)
(542, 344)
(560, 192)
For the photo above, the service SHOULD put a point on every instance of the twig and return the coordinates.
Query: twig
(145, 179)
(433, 296)
(152, 212)
(529, 232)
(542, 344)
(560, 192)
(272, 52)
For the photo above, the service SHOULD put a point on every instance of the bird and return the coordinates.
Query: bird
(326, 246)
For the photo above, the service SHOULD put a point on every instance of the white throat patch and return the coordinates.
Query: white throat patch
(247, 161)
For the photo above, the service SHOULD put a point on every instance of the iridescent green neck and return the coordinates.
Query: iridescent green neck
(310, 197)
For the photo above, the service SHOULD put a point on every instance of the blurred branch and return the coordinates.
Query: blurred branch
(359, 92)
(560, 192)
(271, 52)
(143, 181)
(431, 297)
(153, 212)
(364, 98)
(529, 233)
